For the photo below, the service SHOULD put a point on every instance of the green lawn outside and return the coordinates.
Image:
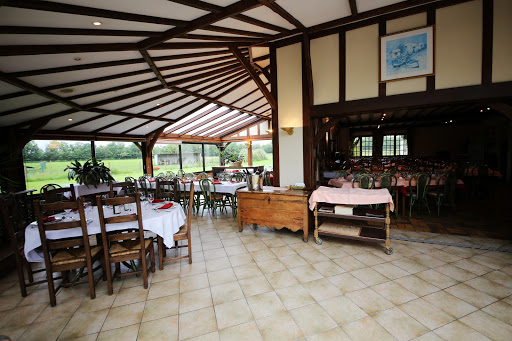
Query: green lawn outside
(54, 172)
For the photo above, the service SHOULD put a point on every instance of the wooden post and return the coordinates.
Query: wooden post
(249, 153)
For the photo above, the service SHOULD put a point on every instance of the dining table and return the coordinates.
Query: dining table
(163, 222)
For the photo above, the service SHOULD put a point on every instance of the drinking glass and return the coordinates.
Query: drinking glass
(67, 210)
(151, 197)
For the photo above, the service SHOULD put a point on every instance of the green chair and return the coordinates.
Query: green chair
(170, 175)
(419, 195)
(212, 199)
(180, 174)
(144, 185)
(389, 181)
(239, 176)
(341, 174)
(446, 194)
(267, 181)
(366, 181)
(202, 175)
(160, 176)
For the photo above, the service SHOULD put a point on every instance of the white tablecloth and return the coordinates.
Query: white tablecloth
(164, 223)
(81, 190)
(225, 187)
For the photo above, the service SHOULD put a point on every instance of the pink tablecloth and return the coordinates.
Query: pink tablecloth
(350, 196)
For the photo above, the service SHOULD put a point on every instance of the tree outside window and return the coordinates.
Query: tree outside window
(394, 145)
(362, 146)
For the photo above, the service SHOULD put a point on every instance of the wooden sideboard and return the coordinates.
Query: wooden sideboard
(274, 208)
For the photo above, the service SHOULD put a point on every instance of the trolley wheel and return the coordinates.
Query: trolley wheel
(318, 240)
(389, 251)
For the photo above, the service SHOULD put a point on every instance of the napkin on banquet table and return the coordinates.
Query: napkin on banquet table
(163, 207)
(217, 182)
(156, 201)
(48, 219)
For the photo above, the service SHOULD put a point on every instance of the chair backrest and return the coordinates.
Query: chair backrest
(207, 188)
(449, 186)
(188, 176)
(13, 222)
(49, 245)
(180, 174)
(240, 176)
(113, 237)
(167, 189)
(386, 181)
(422, 183)
(366, 181)
(144, 183)
(128, 188)
(160, 176)
(54, 193)
(202, 175)
(170, 175)
(130, 179)
(190, 207)
(341, 174)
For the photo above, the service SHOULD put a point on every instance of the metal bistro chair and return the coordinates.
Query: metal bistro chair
(160, 176)
(341, 174)
(12, 220)
(240, 176)
(420, 193)
(211, 197)
(386, 181)
(170, 175)
(180, 174)
(144, 185)
(447, 194)
(366, 181)
(67, 254)
(202, 175)
(54, 193)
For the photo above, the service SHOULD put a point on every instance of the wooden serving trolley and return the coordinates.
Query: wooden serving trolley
(327, 224)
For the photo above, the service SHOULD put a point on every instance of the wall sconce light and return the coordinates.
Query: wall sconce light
(289, 130)
(269, 131)
(248, 144)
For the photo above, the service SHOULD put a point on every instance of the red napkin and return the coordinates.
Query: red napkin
(156, 201)
(217, 182)
(163, 207)
(48, 219)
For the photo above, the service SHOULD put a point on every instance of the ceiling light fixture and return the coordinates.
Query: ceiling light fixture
(488, 108)
(158, 104)
(269, 131)
(70, 119)
(67, 90)
(97, 23)
(289, 130)
(77, 59)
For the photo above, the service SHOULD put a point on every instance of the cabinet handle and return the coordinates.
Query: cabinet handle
(268, 199)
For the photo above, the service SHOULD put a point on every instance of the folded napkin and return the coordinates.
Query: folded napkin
(163, 207)
(217, 182)
(156, 201)
(48, 219)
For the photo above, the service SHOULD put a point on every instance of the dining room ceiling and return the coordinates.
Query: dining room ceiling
(126, 69)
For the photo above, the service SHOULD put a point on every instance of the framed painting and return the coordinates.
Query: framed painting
(407, 54)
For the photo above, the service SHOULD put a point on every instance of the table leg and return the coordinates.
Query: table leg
(160, 253)
(240, 224)
(403, 204)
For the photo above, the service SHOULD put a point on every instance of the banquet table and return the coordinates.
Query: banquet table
(165, 223)
(225, 187)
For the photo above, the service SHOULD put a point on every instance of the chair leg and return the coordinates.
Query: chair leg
(144, 269)
(20, 262)
(92, 289)
(152, 257)
(160, 253)
(51, 287)
(108, 271)
(189, 251)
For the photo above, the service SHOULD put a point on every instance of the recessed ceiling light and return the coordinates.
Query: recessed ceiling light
(147, 127)
(67, 90)
(77, 59)
(488, 108)
(158, 104)
(70, 119)
(96, 23)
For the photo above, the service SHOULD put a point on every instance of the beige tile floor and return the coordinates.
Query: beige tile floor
(263, 284)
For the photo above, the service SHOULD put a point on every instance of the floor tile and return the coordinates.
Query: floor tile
(84, 324)
(322, 289)
(328, 268)
(333, 252)
(428, 260)
(226, 292)
(46, 330)
(431, 336)
(271, 265)
(22, 315)
(198, 322)
(368, 300)
(342, 310)
(449, 304)
(456, 330)
(488, 325)
(399, 324)
(280, 327)
(282, 251)
(63, 309)
(394, 293)
(213, 336)
(194, 300)
(126, 333)
(164, 288)
(369, 276)
(192, 269)
(426, 313)
(262, 255)
(436, 278)
(471, 295)
(312, 319)
(473, 267)
(416, 285)
(295, 296)
(313, 257)
(305, 273)
(293, 261)
(161, 307)
(455, 272)
(349, 263)
(241, 259)
(221, 277)
(124, 316)
(255, 285)
(500, 310)
(366, 329)
(266, 304)
(500, 277)
(232, 313)
(369, 259)
(131, 295)
(247, 271)
(390, 271)
(217, 264)
(409, 265)
(281, 279)
(489, 287)
(346, 282)
(243, 332)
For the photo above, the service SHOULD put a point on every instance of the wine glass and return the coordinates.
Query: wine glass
(151, 197)
(67, 211)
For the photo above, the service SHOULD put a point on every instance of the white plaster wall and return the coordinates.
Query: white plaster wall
(406, 85)
(289, 97)
(325, 65)
(362, 50)
(502, 43)
(458, 55)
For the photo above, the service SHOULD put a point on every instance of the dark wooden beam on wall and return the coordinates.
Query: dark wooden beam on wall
(255, 77)
(283, 13)
(382, 85)
(275, 117)
(353, 7)
(431, 20)
(153, 67)
(74, 31)
(487, 40)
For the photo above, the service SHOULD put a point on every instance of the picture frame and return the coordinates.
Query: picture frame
(407, 54)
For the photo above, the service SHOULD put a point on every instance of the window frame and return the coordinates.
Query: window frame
(395, 145)
(360, 146)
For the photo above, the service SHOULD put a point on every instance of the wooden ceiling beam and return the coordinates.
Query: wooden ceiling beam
(76, 124)
(245, 127)
(237, 32)
(76, 135)
(75, 31)
(153, 67)
(233, 121)
(255, 77)
(235, 127)
(234, 67)
(90, 11)
(283, 13)
(203, 68)
(220, 38)
(203, 21)
(353, 7)
(122, 97)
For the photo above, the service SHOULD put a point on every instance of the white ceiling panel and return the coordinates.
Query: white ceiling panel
(112, 94)
(36, 62)
(148, 128)
(185, 101)
(240, 92)
(267, 15)
(214, 123)
(189, 60)
(32, 114)
(241, 25)
(256, 105)
(96, 124)
(158, 53)
(249, 99)
(155, 8)
(231, 126)
(153, 104)
(27, 17)
(64, 121)
(43, 39)
(6, 88)
(177, 114)
(368, 5)
(215, 33)
(227, 124)
(222, 3)
(324, 10)
(124, 126)
(132, 100)
(21, 102)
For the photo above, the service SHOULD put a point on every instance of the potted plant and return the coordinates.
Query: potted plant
(235, 159)
(92, 172)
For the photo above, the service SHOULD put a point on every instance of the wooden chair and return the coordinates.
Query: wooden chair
(127, 188)
(167, 190)
(122, 246)
(11, 219)
(66, 254)
(53, 193)
(183, 234)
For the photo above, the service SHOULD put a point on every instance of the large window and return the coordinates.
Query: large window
(362, 146)
(394, 145)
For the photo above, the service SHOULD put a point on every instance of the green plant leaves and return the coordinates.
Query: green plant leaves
(92, 172)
